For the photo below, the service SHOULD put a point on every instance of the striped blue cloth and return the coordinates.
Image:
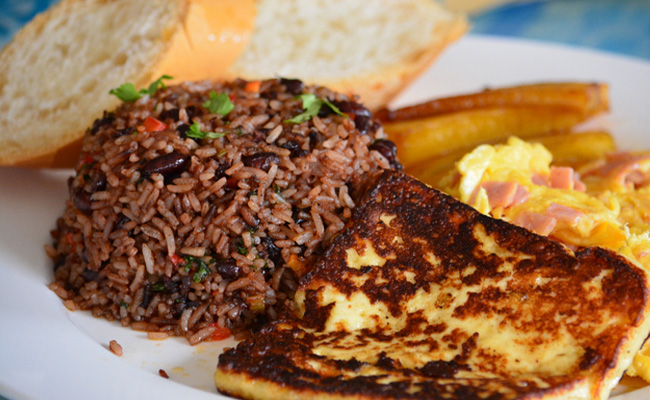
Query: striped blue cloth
(619, 26)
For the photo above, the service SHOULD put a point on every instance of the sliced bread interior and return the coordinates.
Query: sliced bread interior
(56, 74)
(372, 49)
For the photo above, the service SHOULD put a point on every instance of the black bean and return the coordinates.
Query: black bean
(98, 183)
(89, 275)
(59, 262)
(147, 296)
(228, 269)
(352, 107)
(166, 284)
(81, 200)
(179, 307)
(261, 161)
(314, 139)
(220, 172)
(107, 119)
(273, 252)
(269, 94)
(167, 165)
(293, 86)
(191, 112)
(123, 132)
(362, 116)
(291, 145)
(182, 129)
(388, 150)
(259, 135)
(294, 146)
(266, 273)
(186, 283)
(172, 114)
(121, 220)
(296, 215)
(362, 123)
(289, 281)
(299, 153)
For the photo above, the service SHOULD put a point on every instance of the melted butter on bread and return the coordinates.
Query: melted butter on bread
(465, 307)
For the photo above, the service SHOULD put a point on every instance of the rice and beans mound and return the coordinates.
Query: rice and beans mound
(194, 210)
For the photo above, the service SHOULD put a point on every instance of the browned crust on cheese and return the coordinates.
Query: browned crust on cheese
(281, 356)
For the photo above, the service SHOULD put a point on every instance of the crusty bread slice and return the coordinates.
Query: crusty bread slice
(372, 49)
(56, 74)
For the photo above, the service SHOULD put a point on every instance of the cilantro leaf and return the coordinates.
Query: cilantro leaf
(201, 273)
(156, 85)
(219, 104)
(312, 105)
(196, 133)
(334, 108)
(128, 93)
(242, 250)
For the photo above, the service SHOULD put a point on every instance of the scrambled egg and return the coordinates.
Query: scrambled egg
(604, 204)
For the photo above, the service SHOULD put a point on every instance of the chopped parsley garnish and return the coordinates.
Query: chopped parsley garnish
(242, 250)
(202, 269)
(158, 287)
(189, 260)
(124, 304)
(312, 105)
(219, 104)
(128, 93)
(201, 273)
(156, 85)
(196, 133)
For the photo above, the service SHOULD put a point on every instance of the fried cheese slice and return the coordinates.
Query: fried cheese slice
(422, 297)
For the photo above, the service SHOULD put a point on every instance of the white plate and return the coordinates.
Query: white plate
(48, 352)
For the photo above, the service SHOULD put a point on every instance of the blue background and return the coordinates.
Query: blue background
(619, 26)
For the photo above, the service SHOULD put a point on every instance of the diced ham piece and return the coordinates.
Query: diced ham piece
(500, 194)
(521, 196)
(561, 177)
(577, 183)
(563, 213)
(624, 169)
(566, 178)
(539, 179)
(536, 222)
